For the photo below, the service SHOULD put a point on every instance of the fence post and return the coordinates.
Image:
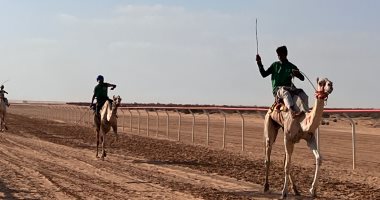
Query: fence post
(147, 122)
(158, 122)
(192, 127)
(242, 130)
(138, 122)
(353, 140)
(130, 119)
(179, 125)
(167, 124)
(123, 118)
(224, 128)
(208, 127)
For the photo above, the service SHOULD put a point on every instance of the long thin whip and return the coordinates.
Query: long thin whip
(257, 41)
(4, 82)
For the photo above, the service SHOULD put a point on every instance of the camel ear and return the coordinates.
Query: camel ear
(317, 80)
(113, 97)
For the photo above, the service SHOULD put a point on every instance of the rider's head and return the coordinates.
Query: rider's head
(282, 52)
(2, 86)
(100, 79)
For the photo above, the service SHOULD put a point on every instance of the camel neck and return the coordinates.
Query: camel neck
(313, 118)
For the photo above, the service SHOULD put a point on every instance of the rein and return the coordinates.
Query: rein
(315, 89)
(318, 94)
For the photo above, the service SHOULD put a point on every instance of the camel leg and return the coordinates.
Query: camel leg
(270, 134)
(97, 129)
(318, 161)
(114, 128)
(294, 187)
(292, 183)
(103, 135)
(5, 124)
(289, 146)
(97, 142)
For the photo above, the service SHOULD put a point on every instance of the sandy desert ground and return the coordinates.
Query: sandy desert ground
(51, 159)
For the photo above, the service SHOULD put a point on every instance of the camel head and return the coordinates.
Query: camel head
(324, 88)
(116, 101)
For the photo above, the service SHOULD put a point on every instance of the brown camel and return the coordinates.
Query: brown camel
(295, 129)
(103, 124)
(3, 113)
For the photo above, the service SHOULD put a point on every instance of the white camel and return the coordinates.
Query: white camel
(295, 129)
(3, 113)
(108, 119)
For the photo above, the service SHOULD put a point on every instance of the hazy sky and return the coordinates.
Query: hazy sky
(197, 52)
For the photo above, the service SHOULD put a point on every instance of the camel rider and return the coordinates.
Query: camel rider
(2, 95)
(281, 73)
(101, 94)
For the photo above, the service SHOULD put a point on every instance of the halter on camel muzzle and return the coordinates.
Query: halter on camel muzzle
(323, 92)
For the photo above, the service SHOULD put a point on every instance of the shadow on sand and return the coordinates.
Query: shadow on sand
(7, 193)
(172, 162)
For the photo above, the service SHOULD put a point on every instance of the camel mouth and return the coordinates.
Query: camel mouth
(322, 95)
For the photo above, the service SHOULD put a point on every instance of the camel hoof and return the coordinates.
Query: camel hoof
(296, 192)
(266, 187)
(283, 196)
(313, 193)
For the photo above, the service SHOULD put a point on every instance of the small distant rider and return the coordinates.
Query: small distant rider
(2, 95)
(101, 94)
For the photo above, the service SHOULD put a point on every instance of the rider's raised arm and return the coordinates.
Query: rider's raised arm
(264, 73)
(113, 86)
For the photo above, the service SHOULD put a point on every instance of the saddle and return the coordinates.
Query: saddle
(278, 105)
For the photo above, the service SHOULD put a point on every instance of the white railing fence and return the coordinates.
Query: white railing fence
(210, 126)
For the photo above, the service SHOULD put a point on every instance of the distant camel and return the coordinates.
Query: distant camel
(108, 119)
(300, 127)
(3, 113)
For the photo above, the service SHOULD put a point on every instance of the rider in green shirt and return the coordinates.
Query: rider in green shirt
(2, 95)
(101, 93)
(282, 72)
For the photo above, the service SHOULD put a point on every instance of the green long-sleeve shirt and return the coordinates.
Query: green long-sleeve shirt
(281, 74)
